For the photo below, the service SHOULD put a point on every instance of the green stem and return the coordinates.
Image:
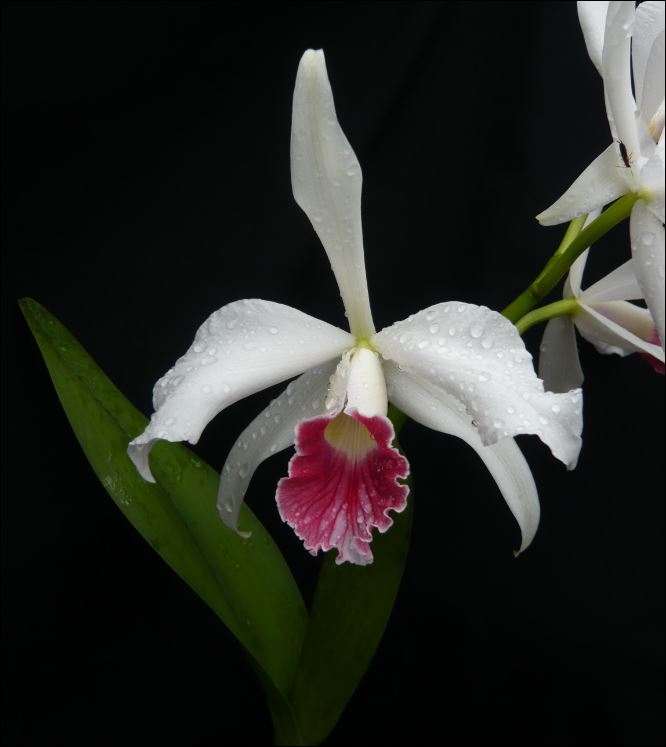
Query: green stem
(573, 245)
(397, 417)
(565, 307)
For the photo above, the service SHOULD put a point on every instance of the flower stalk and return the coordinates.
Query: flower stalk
(566, 255)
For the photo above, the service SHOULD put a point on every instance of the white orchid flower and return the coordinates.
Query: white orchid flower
(634, 162)
(604, 317)
(455, 367)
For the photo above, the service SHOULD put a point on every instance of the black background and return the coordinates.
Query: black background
(146, 183)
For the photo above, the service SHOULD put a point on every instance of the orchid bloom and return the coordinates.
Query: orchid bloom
(634, 162)
(603, 317)
(457, 368)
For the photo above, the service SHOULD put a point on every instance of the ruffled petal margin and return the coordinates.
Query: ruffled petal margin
(343, 481)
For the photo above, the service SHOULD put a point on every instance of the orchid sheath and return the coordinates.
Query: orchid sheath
(455, 367)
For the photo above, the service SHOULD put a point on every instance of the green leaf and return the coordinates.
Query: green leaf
(245, 581)
(351, 609)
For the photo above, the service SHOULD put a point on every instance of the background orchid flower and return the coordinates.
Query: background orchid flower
(457, 368)
(603, 317)
(618, 34)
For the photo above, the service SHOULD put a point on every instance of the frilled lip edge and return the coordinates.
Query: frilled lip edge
(342, 483)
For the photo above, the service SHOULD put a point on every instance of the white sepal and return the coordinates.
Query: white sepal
(647, 54)
(618, 327)
(602, 182)
(326, 179)
(592, 18)
(618, 285)
(647, 246)
(559, 364)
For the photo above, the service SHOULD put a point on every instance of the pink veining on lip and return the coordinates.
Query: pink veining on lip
(343, 481)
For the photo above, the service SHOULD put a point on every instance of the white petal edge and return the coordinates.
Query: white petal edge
(477, 356)
(622, 328)
(575, 278)
(616, 65)
(273, 430)
(647, 53)
(647, 246)
(240, 349)
(602, 182)
(619, 285)
(559, 364)
(504, 460)
(592, 18)
(326, 180)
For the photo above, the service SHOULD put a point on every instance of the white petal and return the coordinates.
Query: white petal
(592, 17)
(602, 182)
(647, 246)
(326, 179)
(619, 285)
(366, 388)
(478, 357)
(506, 463)
(244, 347)
(618, 327)
(575, 278)
(270, 432)
(648, 57)
(559, 364)
(616, 65)
(652, 181)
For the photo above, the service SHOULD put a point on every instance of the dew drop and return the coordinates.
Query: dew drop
(273, 330)
(434, 329)
(555, 408)
(205, 389)
(486, 343)
(476, 330)
(423, 344)
(452, 331)
(484, 376)
(498, 423)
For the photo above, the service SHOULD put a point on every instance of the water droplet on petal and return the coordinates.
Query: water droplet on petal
(476, 330)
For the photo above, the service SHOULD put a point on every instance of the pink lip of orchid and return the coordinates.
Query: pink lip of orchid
(620, 36)
(456, 368)
(603, 317)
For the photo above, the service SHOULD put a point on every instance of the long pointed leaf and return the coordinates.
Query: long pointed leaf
(246, 582)
(349, 614)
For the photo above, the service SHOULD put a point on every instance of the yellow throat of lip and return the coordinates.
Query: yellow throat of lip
(350, 436)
